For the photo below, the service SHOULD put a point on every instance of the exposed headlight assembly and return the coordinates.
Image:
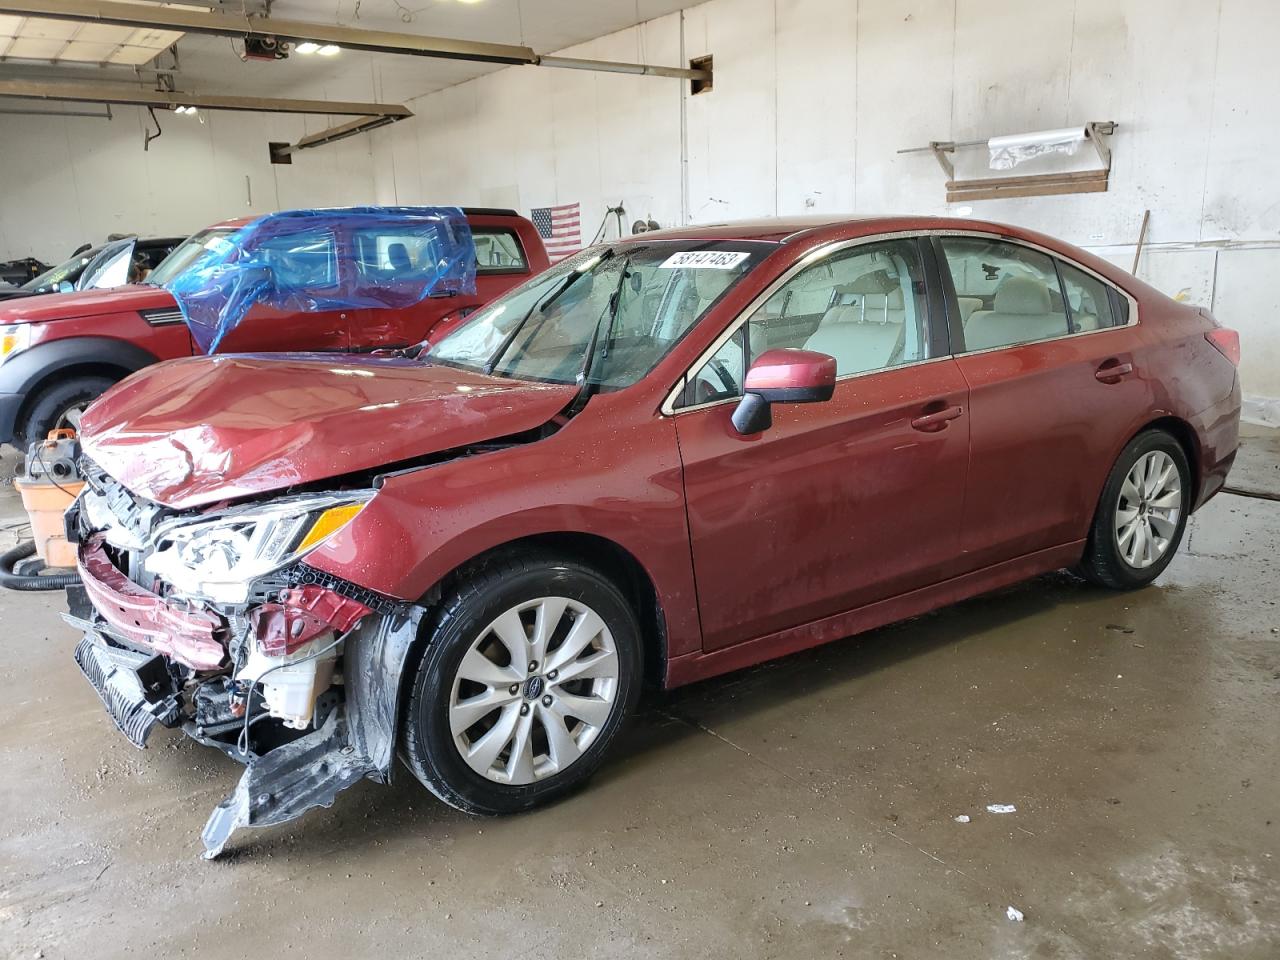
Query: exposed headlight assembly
(217, 558)
(14, 338)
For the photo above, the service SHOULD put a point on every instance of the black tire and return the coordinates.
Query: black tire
(51, 404)
(1103, 563)
(484, 594)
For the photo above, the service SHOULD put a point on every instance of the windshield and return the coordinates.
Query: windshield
(185, 252)
(66, 272)
(644, 297)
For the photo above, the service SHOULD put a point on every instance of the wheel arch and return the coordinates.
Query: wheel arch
(48, 363)
(602, 554)
(1182, 432)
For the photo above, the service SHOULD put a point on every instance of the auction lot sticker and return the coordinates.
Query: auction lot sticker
(704, 260)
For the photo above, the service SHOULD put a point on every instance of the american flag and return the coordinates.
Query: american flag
(560, 228)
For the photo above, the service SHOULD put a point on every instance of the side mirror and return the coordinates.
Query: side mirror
(783, 376)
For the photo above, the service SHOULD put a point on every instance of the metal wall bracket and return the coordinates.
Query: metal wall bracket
(1033, 185)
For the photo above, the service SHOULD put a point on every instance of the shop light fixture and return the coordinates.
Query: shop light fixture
(308, 47)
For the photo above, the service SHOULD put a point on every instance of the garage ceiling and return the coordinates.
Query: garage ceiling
(65, 41)
(209, 64)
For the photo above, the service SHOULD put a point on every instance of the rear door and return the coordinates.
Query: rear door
(841, 503)
(398, 258)
(1048, 352)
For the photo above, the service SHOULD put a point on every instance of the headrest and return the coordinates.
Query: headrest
(878, 281)
(1022, 295)
(398, 255)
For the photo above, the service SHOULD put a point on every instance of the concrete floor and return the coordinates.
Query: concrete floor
(802, 809)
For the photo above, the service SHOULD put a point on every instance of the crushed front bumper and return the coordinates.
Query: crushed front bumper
(141, 618)
(134, 687)
(354, 739)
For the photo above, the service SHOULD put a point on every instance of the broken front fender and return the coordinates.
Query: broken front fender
(356, 740)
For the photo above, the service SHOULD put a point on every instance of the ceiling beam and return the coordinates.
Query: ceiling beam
(350, 38)
(97, 93)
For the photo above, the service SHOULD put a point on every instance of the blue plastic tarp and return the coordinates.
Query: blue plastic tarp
(314, 260)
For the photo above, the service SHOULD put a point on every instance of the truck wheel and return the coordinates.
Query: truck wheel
(60, 406)
(527, 676)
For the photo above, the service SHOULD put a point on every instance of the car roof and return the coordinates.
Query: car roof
(468, 211)
(784, 229)
(771, 228)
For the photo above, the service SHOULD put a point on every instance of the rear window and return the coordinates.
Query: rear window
(498, 251)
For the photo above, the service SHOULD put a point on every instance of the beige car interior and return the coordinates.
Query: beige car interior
(869, 330)
(853, 309)
(1021, 311)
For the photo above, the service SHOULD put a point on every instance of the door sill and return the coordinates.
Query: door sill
(700, 666)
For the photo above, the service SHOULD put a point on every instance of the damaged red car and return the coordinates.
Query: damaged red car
(663, 459)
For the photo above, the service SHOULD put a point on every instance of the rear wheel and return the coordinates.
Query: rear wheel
(60, 407)
(527, 677)
(1142, 513)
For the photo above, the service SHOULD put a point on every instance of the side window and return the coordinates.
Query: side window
(1087, 300)
(498, 251)
(1007, 293)
(301, 261)
(386, 256)
(720, 378)
(865, 306)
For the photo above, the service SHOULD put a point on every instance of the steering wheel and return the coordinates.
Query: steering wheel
(707, 391)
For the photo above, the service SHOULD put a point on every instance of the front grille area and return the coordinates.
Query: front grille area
(123, 520)
(112, 672)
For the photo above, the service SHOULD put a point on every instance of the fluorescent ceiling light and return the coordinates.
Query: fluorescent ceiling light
(306, 46)
(329, 50)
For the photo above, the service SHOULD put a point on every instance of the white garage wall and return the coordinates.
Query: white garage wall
(68, 181)
(813, 99)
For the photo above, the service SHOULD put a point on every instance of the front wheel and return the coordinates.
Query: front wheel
(528, 674)
(59, 407)
(1142, 513)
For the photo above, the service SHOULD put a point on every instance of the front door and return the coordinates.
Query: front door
(295, 283)
(841, 503)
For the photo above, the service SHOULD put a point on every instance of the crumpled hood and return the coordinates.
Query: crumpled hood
(200, 430)
(87, 303)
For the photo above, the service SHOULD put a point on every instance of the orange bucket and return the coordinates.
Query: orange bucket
(45, 504)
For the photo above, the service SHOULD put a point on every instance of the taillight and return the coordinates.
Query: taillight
(1228, 343)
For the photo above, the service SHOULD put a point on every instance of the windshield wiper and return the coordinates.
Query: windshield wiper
(584, 373)
(542, 304)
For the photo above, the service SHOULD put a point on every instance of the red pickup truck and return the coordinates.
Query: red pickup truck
(59, 352)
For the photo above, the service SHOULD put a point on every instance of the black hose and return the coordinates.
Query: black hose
(15, 582)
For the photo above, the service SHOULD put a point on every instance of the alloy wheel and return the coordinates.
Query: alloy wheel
(534, 690)
(1148, 509)
(69, 419)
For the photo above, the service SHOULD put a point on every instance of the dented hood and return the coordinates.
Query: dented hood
(197, 431)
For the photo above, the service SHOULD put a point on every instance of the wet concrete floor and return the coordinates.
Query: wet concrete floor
(802, 809)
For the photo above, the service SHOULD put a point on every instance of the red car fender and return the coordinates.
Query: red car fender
(423, 524)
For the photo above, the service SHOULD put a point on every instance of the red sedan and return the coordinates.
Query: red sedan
(663, 459)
